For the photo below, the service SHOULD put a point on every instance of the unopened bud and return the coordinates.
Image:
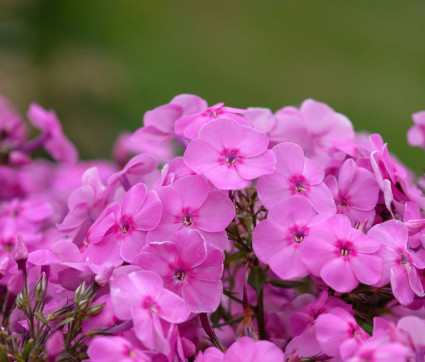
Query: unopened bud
(102, 278)
(95, 309)
(40, 288)
(79, 292)
(4, 266)
(21, 253)
(54, 346)
(83, 305)
(20, 302)
(27, 349)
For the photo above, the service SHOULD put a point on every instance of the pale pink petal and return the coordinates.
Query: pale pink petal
(367, 268)
(103, 223)
(192, 190)
(144, 329)
(313, 172)
(216, 213)
(201, 156)
(253, 167)
(211, 269)
(172, 308)
(392, 233)
(105, 252)
(363, 192)
(191, 247)
(287, 264)
(346, 175)
(289, 159)
(321, 199)
(163, 117)
(225, 177)
(331, 332)
(315, 253)
(400, 285)
(295, 210)
(133, 199)
(161, 257)
(273, 188)
(132, 245)
(414, 281)
(202, 296)
(339, 275)
(149, 214)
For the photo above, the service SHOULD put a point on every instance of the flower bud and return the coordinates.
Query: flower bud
(40, 288)
(54, 346)
(21, 253)
(79, 292)
(95, 309)
(83, 304)
(4, 266)
(102, 278)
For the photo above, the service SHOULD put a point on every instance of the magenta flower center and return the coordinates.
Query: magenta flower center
(298, 235)
(230, 158)
(149, 303)
(187, 219)
(344, 251)
(124, 226)
(404, 260)
(299, 184)
(179, 275)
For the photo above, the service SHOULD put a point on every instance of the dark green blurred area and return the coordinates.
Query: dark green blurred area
(101, 63)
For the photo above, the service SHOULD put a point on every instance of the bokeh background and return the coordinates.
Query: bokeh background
(101, 63)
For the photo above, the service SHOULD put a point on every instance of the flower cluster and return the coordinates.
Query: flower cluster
(217, 234)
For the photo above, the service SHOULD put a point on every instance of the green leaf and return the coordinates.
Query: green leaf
(66, 321)
(257, 278)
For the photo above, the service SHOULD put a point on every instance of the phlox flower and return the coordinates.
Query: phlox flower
(114, 349)
(229, 154)
(190, 203)
(338, 333)
(400, 263)
(244, 350)
(189, 267)
(355, 192)
(416, 133)
(54, 140)
(413, 327)
(277, 240)
(188, 127)
(377, 350)
(140, 296)
(119, 233)
(302, 325)
(12, 126)
(314, 126)
(341, 255)
(295, 175)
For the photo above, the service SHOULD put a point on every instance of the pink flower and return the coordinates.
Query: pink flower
(119, 233)
(295, 175)
(188, 127)
(114, 349)
(338, 333)
(400, 263)
(244, 350)
(277, 240)
(189, 203)
(55, 142)
(229, 154)
(189, 267)
(416, 133)
(140, 296)
(341, 255)
(355, 192)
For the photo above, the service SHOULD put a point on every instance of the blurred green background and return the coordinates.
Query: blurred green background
(101, 63)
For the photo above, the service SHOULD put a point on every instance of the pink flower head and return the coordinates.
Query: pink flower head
(338, 333)
(119, 233)
(114, 349)
(277, 240)
(400, 263)
(379, 350)
(229, 154)
(295, 175)
(189, 267)
(341, 255)
(244, 350)
(12, 126)
(314, 127)
(140, 296)
(416, 133)
(189, 203)
(355, 192)
(188, 127)
(56, 143)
